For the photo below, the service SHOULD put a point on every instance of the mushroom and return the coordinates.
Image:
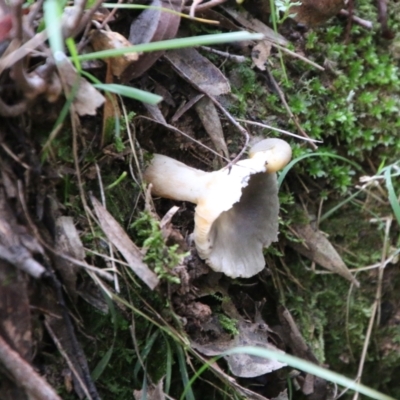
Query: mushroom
(237, 207)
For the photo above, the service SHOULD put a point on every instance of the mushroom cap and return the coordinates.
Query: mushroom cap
(238, 214)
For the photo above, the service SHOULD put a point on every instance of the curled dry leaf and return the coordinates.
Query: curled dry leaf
(68, 242)
(319, 249)
(118, 237)
(260, 54)
(152, 25)
(243, 365)
(199, 71)
(153, 392)
(87, 98)
(209, 117)
(106, 40)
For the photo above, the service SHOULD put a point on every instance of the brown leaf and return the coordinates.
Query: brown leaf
(210, 119)
(255, 25)
(154, 392)
(106, 40)
(68, 242)
(260, 54)
(152, 25)
(243, 365)
(118, 237)
(87, 98)
(316, 12)
(199, 71)
(319, 249)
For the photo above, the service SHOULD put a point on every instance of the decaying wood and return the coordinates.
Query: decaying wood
(25, 375)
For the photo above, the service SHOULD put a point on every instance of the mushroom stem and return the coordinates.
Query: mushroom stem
(175, 180)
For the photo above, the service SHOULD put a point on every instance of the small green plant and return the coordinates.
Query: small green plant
(159, 256)
(282, 9)
(229, 324)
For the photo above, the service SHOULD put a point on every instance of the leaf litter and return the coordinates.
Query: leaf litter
(202, 294)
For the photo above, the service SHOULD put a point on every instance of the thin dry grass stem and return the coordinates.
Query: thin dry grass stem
(375, 313)
(32, 226)
(74, 122)
(10, 58)
(237, 126)
(34, 385)
(288, 274)
(132, 146)
(299, 56)
(366, 188)
(67, 360)
(360, 21)
(110, 247)
(109, 16)
(193, 6)
(108, 258)
(347, 323)
(172, 128)
(52, 136)
(289, 111)
(278, 130)
(14, 156)
(234, 57)
(85, 18)
(132, 330)
(204, 6)
(35, 9)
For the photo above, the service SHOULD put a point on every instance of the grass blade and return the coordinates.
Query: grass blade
(130, 92)
(52, 18)
(288, 167)
(203, 40)
(394, 202)
(297, 363)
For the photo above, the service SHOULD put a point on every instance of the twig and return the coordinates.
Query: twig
(289, 111)
(34, 229)
(278, 130)
(22, 51)
(375, 312)
(299, 56)
(110, 247)
(238, 127)
(362, 22)
(70, 364)
(174, 129)
(234, 57)
(202, 7)
(24, 375)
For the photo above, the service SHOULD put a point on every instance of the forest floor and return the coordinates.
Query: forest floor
(102, 291)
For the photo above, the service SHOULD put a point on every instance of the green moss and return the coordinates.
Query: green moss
(159, 256)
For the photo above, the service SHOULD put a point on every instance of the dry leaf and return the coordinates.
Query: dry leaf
(87, 98)
(243, 365)
(319, 249)
(260, 54)
(210, 119)
(254, 25)
(153, 392)
(106, 40)
(68, 242)
(152, 25)
(199, 71)
(118, 237)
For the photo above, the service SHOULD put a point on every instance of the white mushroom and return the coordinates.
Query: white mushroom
(237, 208)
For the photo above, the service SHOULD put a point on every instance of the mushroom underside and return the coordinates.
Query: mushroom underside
(237, 236)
